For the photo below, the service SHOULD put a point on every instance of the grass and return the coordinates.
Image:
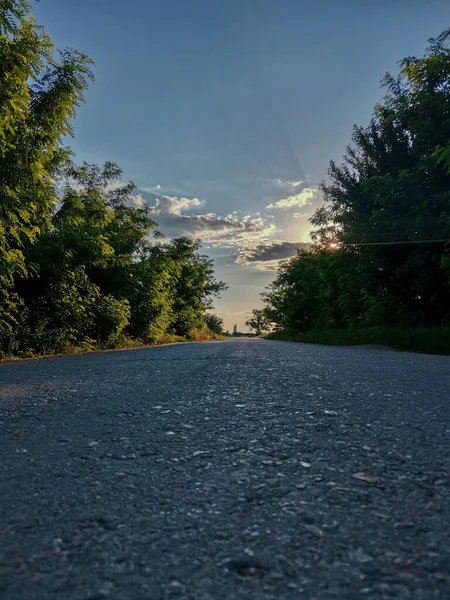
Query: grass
(120, 343)
(427, 340)
(204, 335)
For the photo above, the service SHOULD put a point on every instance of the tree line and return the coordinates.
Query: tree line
(381, 241)
(80, 266)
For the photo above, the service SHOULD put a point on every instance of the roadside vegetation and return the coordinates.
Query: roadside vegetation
(378, 270)
(429, 340)
(81, 268)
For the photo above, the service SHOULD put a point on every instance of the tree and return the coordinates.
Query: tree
(82, 266)
(38, 98)
(258, 321)
(214, 323)
(100, 272)
(79, 264)
(382, 250)
(195, 285)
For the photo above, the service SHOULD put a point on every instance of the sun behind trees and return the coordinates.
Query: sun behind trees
(79, 266)
(381, 251)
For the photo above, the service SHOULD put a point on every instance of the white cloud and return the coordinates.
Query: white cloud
(137, 200)
(152, 189)
(251, 240)
(175, 218)
(285, 183)
(304, 198)
(162, 189)
(171, 205)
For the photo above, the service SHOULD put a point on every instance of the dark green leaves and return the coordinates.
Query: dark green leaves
(379, 257)
(78, 266)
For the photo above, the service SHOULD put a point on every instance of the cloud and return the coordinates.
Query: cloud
(251, 240)
(286, 184)
(138, 200)
(171, 205)
(269, 255)
(160, 190)
(175, 219)
(304, 198)
(266, 265)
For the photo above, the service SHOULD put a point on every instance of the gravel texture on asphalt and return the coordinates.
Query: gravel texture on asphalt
(243, 469)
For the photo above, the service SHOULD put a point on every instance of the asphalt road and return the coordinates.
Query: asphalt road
(243, 469)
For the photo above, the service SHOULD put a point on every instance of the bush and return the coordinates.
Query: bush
(430, 340)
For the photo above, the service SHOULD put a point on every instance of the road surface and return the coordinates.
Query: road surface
(243, 469)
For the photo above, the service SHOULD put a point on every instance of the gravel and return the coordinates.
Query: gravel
(243, 469)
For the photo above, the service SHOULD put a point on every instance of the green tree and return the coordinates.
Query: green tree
(381, 254)
(214, 323)
(78, 262)
(258, 321)
(195, 286)
(38, 98)
(99, 272)
(81, 266)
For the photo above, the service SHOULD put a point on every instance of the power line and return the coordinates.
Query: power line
(395, 243)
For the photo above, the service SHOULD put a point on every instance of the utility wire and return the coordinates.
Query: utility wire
(398, 243)
(395, 243)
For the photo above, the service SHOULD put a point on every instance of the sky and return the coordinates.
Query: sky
(226, 113)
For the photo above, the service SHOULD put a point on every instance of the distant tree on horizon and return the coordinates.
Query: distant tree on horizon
(258, 321)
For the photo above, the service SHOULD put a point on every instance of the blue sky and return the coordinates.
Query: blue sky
(226, 113)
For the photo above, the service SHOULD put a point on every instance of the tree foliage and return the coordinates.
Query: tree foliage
(382, 252)
(39, 94)
(99, 272)
(214, 323)
(78, 262)
(258, 321)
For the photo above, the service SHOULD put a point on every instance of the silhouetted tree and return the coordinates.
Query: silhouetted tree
(258, 321)
(382, 249)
